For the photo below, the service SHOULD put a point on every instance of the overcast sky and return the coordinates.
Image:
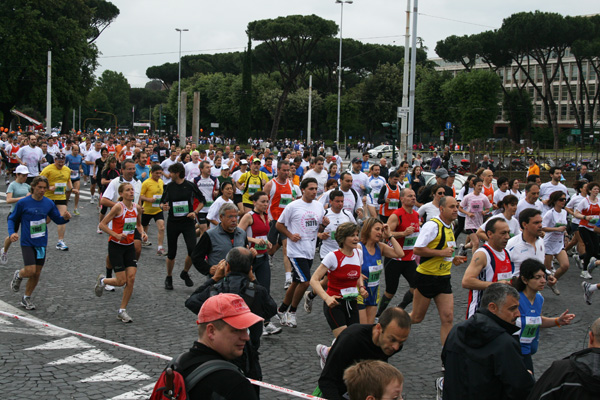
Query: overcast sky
(144, 33)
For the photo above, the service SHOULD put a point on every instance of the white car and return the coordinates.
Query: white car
(384, 150)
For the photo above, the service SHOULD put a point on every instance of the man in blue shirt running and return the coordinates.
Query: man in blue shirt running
(31, 213)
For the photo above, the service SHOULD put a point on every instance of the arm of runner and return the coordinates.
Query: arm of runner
(470, 280)
(284, 230)
(564, 319)
(481, 235)
(315, 283)
(396, 250)
(138, 224)
(203, 247)
(114, 211)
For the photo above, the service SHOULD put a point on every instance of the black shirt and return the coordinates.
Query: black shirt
(425, 196)
(180, 198)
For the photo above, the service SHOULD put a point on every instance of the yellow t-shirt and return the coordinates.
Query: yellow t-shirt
(253, 184)
(58, 178)
(154, 189)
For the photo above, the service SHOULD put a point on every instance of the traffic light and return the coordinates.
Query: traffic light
(163, 120)
(392, 135)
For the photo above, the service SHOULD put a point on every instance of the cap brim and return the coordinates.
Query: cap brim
(243, 321)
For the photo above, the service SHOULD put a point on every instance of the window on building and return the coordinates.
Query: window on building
(592, 89)
(563, 112)
(574, 72)
(555, 90)
(564, 93)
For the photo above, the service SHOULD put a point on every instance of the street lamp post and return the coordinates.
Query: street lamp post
(179, 82)
(339, 68)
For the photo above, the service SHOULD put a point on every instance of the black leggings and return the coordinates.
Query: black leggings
(460, 226)
(590, 239)
(176, 228)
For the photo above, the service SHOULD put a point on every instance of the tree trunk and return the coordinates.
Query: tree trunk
(64, 129)
(6, 114)
(278, 112)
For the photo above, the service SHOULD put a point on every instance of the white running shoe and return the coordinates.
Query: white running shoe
(123, 316)
(592, 265)
(587, 293)
(291, 320)
(3, 257)
(307, 302)
(99, 286)
(109, 288)
(585, 275)
(322, 352)
(271, 329)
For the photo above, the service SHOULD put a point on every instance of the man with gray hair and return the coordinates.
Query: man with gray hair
(213, 246)
(574, 377)
(481, 356)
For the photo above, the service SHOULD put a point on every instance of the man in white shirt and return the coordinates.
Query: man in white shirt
(352, 201)
(319, 173)
(90, 159)
(165, 166)
(376, 182)
(500, 193)
(31, 156)
(360, 180)
(553, 186)
(300, 222)
(192, 169)
(532, 193)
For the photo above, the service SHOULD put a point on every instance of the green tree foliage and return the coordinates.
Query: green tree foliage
(518, 109)
(245, 124)
(28, 30)
(473, 101)
(431, 106)
(290, 42)
(113, 90)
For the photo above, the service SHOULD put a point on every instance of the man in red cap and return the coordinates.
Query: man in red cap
(223, 323)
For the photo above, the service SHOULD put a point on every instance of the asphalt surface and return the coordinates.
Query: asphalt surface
(36, 361)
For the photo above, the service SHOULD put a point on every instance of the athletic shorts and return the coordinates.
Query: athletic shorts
(574, 228)
(60, 202)
(248, 205)
(103, 210)
(237, 198)
(121, 256)
(346, 313)
(29, 179)
(202, 218)
(137, 235)
(32, 256)
(274, 236)
(146, 218)
(371, 300)
(174, 229)
(93, 180)
(553, 248)
(393, 269)
(432, 285)
(12, 166)
(383, 218)
(470, 231)
(300, 269)
(75, 180)
(17, 223)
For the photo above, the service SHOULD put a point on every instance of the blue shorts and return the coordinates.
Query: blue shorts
(372, 300)
(86, 169)
(301, 269)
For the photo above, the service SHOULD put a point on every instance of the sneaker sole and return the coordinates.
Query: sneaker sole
(99, 289)
(125, 322)
(25, 306)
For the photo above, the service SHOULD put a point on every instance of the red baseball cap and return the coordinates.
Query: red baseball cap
(229, 307)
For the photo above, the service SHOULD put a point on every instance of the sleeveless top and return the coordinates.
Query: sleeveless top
(394, 196)
(125, 223)
(372, 266)
(258, 230)
(281, 195)
(438, 266)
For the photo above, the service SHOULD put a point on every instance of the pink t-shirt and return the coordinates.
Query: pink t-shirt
(475, 204)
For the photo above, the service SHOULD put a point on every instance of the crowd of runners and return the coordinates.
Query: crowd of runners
(369, 225)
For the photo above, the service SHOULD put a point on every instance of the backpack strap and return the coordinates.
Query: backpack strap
(207, 368)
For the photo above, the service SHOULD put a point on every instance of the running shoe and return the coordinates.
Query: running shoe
(62, 246)
(439, 388)
(322, 352)
(186, 277)
(109, 288)
(169, 283)
(92, 200)
(15, 283)
(585, 275)
(76, 212)
(587, 293)
(271, 329)
(84, 183)
(161, 252)
(123, 316)
(592, 265)
(291, 320)
(98, 289)
(27, 303)
(147, 243)
(308, 302)
(3, 257)
(288, 283)
(98, 230)
(578, 261)
(554, 289)
(282, 317)
(462, 251)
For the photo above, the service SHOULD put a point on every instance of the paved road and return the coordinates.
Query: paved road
(40, 362)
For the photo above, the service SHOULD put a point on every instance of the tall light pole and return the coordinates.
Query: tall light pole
(339, 68)
(179, 82)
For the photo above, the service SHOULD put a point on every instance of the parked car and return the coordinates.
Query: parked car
(384, 150)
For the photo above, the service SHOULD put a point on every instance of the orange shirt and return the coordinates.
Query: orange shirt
(533, 170)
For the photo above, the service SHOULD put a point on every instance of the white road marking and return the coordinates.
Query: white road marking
(139, 394)
(122, 373)
(66, 343)
(90, 356)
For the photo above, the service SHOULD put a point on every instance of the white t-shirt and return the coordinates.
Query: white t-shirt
(498, 196)
(584, 204)
(553, 219)
(192, 170)
(213, 211)
(92, 156)
(304, 219)
(351, 203)
(206, 186)
(320, 177)
(359, 179)
(32, 157)
(546, 189)
(523, 205)
(375, 183)
(429, 210)
(335, 220)
(572, 204)
(460, 195)
(215, 171)
(513, 224)
(165, 166)
(519, 251)
(236, 177)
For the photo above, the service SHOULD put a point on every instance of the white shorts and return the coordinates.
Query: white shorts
(553, 248)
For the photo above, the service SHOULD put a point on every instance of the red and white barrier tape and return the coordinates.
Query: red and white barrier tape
(150, 353)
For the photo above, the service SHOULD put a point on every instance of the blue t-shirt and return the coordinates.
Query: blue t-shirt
(32, 215)
(530, 322)
(74, 163)
(372, 266)
(365, 167)
(18, 190)
(266, 171)
(336, 177)
(140, 170)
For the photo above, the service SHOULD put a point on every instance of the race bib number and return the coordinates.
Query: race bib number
(504, 277)
(37, 229)
(285, 200)
(393, 204)
(208, 204)
(259, 247)
(156, 201)
(332, 235)
(253, 188)
(163, 153)
(476, 207)
(375, 274)
(375, 195)
(410, 240)
(60, 188)
(529, 331)
(74, 173)
(180, 208)
(453, 245)
(349, 293)
(129, 225)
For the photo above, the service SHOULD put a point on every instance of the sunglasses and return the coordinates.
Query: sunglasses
(562, 199)
(441, 193)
